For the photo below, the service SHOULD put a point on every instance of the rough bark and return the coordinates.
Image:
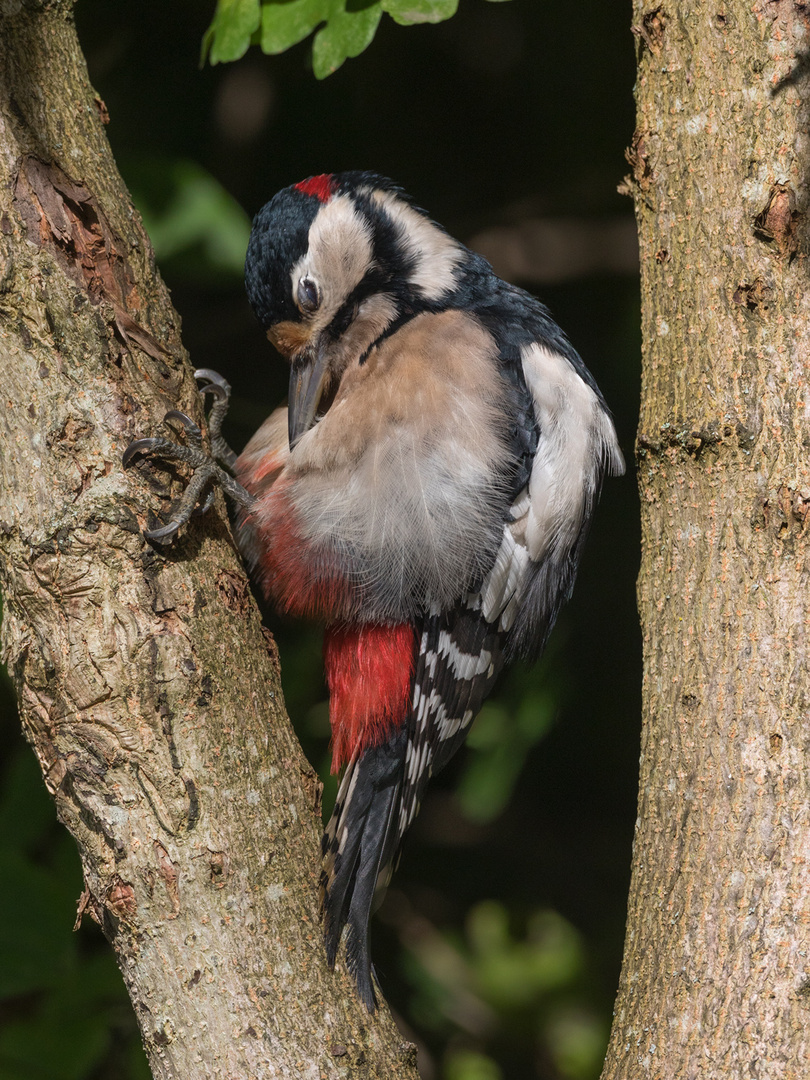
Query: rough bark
(715, 978)
(146, 686)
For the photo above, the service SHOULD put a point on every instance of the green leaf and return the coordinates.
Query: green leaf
(67, 1031)
(408, 12)
(535, 716)
(231, 30)
(285, 24)
(277, 25)
(346, 34)
(512, 972)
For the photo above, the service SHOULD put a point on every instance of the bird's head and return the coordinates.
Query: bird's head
(332, 263)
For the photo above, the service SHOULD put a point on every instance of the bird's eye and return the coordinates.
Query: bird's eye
(309, 295)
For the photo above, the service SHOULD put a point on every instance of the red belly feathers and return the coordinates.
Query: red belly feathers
(368, 667)
(368, 671)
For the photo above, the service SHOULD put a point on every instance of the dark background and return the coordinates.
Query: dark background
(499, 944)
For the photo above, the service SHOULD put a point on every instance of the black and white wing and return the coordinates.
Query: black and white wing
(462, 651)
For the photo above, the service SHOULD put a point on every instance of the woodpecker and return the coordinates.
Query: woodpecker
(425, 494)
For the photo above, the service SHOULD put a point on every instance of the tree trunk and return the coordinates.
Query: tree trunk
(146, 686)
(717, 958)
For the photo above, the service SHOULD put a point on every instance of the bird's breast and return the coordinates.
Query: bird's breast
(404, 479)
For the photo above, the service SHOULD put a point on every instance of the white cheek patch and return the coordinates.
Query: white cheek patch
(436, 255)
(339, 253)
(577, 440)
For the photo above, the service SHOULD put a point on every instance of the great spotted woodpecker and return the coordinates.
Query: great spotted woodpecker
(426, 493)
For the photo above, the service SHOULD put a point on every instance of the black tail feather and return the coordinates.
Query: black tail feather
(359, 845)
(340, 866)
(364, 889)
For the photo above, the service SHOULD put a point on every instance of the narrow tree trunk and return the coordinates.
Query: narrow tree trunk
(716, 979)
(146, 685)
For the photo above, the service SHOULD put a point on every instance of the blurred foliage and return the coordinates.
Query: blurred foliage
(499, 945)
(276, 25)
(491, 984)
(499, 742)
(192, 221)
(64, 1012)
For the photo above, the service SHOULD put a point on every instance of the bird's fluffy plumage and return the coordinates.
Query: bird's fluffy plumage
(448, 448)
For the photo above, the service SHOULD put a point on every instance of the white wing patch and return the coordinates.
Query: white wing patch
(503, 587)
(464, 665)
(459, 660)
(577, 442)
(417, 766)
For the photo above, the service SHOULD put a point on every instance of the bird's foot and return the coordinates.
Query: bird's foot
(207, 472)
(211, 382)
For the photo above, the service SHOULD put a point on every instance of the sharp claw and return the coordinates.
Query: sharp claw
(214, 383)
(162, 536)
(206, 506)
(205, 470)
(186, 421)
(215, 391)
(212, 377)
(140, 446)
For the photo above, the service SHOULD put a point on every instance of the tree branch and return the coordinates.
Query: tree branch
(146, 683)
(715, 976)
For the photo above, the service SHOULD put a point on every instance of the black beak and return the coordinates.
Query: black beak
(307, 383)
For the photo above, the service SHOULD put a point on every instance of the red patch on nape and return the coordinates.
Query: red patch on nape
(321, 187)
(368, 671)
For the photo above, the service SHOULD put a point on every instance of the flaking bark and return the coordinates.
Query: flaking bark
(717, 962)
(146, 684)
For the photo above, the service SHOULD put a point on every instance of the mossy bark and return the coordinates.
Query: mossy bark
(147, 687)
(716, 971)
